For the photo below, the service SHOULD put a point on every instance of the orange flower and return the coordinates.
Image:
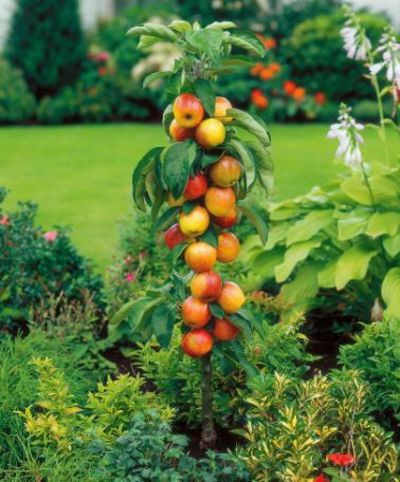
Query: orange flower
(299, 94)
(320, 98)
(289, 87)
(269, 43)
(256, 69)
(275, 67)
(266, 73)
(259, 99)
(343, 460)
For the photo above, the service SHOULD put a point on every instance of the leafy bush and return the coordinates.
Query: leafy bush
(35, 265)
(311, 48)
(17, 104)
(293, 425)
(367, 110)
(149, 451)
(376, 355)
(46, 42)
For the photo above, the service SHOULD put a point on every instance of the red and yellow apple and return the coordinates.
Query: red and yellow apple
(231, 298)
(174, 236)
(222, 104)
(188, 111)
(194, 223)
(196, 186)
(226, 171)
(200, 256)
(179, 133)
(219, 201)
(197, 343)
(228, 247)
(207, 286)
(195, 312)
(210, 133)
(224, 330)
(227, 221)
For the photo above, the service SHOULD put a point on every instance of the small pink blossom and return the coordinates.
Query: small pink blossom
(4, 220)
(50, 236)
(130, 277)
(103, 56)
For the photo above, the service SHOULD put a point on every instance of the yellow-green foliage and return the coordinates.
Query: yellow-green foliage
(56, 421)
(294, 425)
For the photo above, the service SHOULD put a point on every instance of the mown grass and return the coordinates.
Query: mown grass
(80, 175)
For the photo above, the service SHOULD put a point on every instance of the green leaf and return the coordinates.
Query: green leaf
(206, 94)
(247, 40)
(241, 323)
(258, 220)
(232, 65)
(145, 166)
(147, 41)
(188, 207)
(210, 236)
(205, 42)
(264, 165)
(353, 265)
(385, 190)
(155, 76)
(180, 26)
(250, 124)
(210, 157)
(162, 323)
(166, 218)
(216, 310)
(154, 30)
(304, 285)
(383, 223)
(392, 245)
(167, 118)
(309, 226)
(239, 150)
(326, 277)
(296, 253)
(224, 25)
(391, 292)
(352, 225)
(177, 162)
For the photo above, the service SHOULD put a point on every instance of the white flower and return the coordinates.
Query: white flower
(390, 49)
(347, 132)
(356, 42)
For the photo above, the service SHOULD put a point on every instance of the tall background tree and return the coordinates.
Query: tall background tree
(46, 42)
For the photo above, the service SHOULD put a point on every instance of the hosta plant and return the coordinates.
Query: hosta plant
(342, 237)
(203, 176)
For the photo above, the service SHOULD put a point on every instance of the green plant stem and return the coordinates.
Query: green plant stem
(208, 434)
(368, 184)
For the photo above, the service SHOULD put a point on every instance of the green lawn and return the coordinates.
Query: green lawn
(80, 175)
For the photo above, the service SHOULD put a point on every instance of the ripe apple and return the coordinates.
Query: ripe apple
(219, 201)
(226, 171)
(174, 236)
(196, 187)
(172, 202)
(231, 298)
(197, 343)
(194, 223)
(188, 111)
(226, 221)
(210, 133)
(206, 286)
(200, 256)
(222, 104)
(228, 247)
(224, 330)
(195, 312)
(179, 133)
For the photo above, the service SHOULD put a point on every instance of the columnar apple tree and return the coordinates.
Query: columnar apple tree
(195, 189)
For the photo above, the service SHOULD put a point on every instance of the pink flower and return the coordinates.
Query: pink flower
(321, 478)
(50, 236)
(130, 277)
(341, 459)
(4, 220)
(102, 56)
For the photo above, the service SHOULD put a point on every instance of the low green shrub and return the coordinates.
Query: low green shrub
(17, 104)
(376, 355)
(35, 266)
(293, 425)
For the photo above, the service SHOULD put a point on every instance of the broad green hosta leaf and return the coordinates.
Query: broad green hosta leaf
(310, 225)
(352, 225)
(385, 190)
(326, 276)
(177, 162)
(144, 168)
(296, 253)
(304, 285)
(391, 292)
(277, 233)
(261, 269)
(392, 245)
(353, 265)
(383, 223)
(282, 213)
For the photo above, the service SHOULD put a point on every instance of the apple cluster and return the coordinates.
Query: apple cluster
(214, 202)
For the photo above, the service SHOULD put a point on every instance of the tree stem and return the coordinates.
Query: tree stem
(208, 434)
